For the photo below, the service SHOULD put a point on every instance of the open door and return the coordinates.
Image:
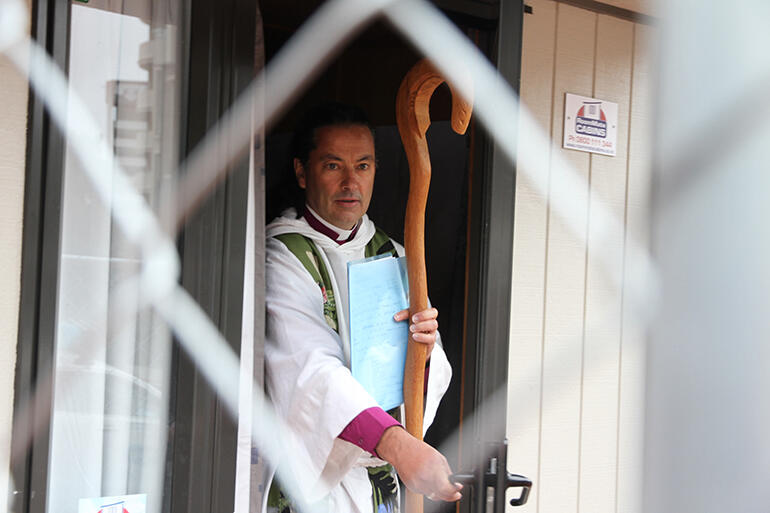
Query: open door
(483, 451)
(469, 220)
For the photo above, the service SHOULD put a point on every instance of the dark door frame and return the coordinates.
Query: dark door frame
(31, 430)
(491, 243)
(218, 64)
(489, 275)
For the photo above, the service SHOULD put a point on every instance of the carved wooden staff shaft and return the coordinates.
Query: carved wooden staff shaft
(413, 117)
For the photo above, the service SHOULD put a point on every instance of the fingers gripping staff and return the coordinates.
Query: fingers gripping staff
(413, 118)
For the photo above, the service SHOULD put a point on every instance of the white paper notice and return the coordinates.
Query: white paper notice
(116, 504)
(377, 291)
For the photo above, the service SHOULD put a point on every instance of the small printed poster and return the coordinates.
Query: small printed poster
(116, 504)
(590, 125)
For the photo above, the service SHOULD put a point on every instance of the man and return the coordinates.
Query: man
(350, 444)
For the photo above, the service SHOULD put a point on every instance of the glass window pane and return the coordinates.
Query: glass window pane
(112, 356)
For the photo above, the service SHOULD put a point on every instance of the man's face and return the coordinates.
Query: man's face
(339, 175)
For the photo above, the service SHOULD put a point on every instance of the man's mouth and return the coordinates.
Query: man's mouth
(347, 201)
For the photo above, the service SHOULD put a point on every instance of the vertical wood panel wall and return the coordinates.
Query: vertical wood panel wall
(576, 376)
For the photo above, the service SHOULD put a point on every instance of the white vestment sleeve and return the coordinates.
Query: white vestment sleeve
(438, 381)
(307, 380)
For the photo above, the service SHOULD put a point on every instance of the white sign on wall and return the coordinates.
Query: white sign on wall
(590, 125)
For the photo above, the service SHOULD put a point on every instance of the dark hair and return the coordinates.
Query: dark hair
(326, 114)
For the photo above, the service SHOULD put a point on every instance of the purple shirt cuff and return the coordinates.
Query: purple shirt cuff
(367, 428)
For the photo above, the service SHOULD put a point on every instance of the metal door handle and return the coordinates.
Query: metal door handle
(517, 481)
(497, 477)
(463, 479)
(490, 479)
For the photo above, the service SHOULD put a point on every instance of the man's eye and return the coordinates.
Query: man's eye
(363, 166)
(332, 165)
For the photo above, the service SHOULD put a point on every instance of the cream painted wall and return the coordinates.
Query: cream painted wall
(576, 370)
(13, 137)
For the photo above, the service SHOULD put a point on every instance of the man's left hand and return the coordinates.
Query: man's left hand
(423, 326)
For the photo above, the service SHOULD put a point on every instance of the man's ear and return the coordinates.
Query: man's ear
(299, 172)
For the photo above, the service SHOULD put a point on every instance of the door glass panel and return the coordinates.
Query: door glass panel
(112, 360)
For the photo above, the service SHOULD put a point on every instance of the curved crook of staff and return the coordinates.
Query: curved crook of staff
(413, 118)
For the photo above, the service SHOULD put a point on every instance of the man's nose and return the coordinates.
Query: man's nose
(348, 178)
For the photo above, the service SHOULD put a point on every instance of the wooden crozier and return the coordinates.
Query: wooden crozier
(413, 117)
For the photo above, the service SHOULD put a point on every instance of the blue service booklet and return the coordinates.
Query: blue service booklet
(377, 289)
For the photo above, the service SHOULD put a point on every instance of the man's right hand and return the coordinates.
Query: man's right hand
(422, 468)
